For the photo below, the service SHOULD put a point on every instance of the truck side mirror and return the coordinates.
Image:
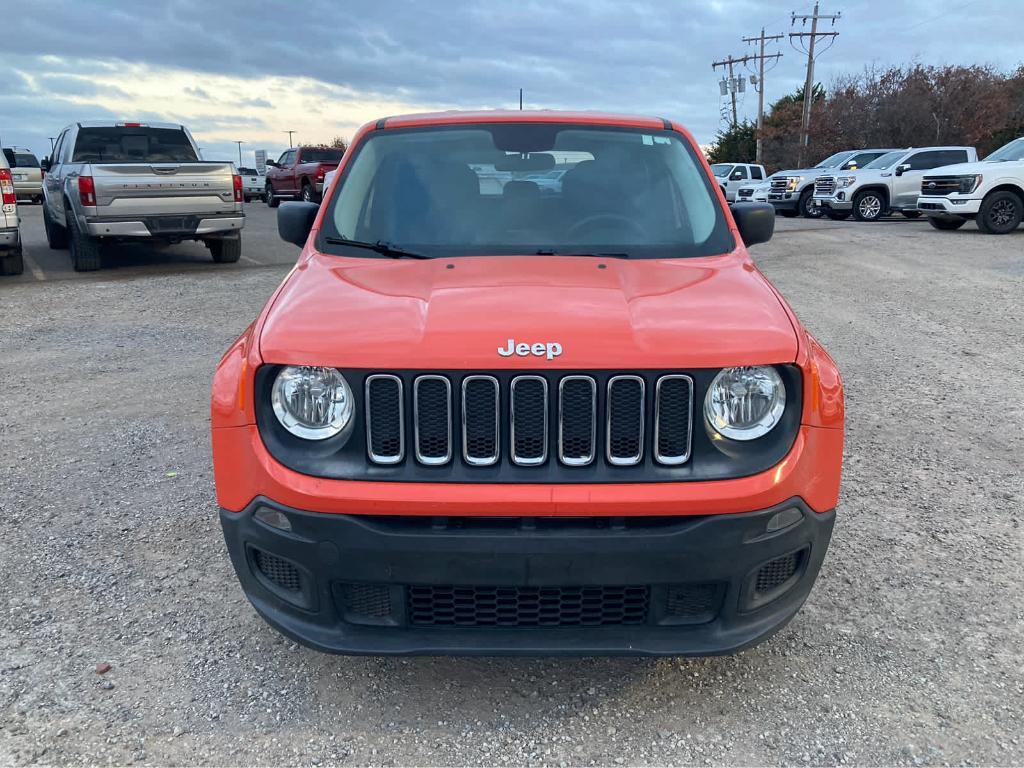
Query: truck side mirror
(901, 168)
(44, 164)
(755, 221)
(295, 220)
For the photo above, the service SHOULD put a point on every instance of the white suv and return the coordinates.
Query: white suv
(991, 192)
(11, 261)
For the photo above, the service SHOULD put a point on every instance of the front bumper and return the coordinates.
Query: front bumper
(784, 201)
(835, 203)
(171, 226)
(949, 206)
(366, 584)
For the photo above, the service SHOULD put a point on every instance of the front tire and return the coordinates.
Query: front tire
(226, 250)
(868, 206)
(946, 225)
(86, 254)
(56, 235)
(268, 193)
(807, 210)
(1000, 213)
(12, 263)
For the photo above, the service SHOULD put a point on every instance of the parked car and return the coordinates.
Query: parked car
(11, 259)
(253, 183)
(299, 174)
(991, 192)
(479, 420)
(792, 192)
(732, 176)
(755, 192)
(27, 175)
(886, 185)
(138, 181)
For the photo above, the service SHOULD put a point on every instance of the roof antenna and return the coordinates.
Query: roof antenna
(520, 99)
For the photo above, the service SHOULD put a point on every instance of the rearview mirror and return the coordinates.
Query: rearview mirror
(295, 220)
(755, 221)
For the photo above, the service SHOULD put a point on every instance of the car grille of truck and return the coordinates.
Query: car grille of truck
(515, 606)
(780, 184)
(825, 185)
(577, 420)
(939, 186)
(746, 194)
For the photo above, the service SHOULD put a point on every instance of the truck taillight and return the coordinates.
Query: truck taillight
(321, 172)
(86, 190)
(236, 182)
(7, 187)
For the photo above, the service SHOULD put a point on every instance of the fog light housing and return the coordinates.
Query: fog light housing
(273, 518)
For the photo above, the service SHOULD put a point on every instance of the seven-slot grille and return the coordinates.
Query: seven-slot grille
(825, 185)
(572, 419)
(940, 186)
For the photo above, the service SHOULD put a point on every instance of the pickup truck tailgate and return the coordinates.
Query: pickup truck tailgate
(163, 188)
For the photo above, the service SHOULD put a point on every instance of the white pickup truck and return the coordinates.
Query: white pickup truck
(138, 181)
(732, 176)
(890, 183)
(991, 192)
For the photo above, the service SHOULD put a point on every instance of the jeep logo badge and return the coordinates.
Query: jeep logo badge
(549, 349)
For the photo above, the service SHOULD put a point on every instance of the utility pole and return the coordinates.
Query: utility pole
(520, 99)
(239, 143)
(52, 139)
(760, 58)
(728, 63)
(813, 35)
(290, 145)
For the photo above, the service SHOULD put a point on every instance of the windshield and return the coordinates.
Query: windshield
(133, 145)
(1012, 151)
(834, 161)
(321, 156)
(887, 160)
(721, 169)
(458, 190)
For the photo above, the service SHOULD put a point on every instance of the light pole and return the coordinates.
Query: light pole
(52, 144)
(290, 145)
(239, 143)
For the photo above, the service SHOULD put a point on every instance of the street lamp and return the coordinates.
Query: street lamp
(239, 143)
(52, 139)
(290, 145)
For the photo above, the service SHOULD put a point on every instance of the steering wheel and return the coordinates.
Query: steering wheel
(615, 219)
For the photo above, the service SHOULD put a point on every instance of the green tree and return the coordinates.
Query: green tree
(738, 144)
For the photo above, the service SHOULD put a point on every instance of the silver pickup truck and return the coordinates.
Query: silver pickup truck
(138, 181)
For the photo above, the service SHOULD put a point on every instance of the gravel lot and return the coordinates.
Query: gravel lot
(909, 651)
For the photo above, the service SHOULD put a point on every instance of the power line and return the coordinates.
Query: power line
(812, 36)
(759, 85)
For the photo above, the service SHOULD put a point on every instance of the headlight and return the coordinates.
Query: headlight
(745, 403)
(793, 183)
(969, 183)
(312, 403)
(845, 181)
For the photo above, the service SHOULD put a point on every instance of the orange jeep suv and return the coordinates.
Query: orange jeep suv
(485, 415)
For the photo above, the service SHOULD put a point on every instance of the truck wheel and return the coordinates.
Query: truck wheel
(868, 206)
(946, 224)
(1000, 213)
(226, 250)
(911, 214)
(56, 235)
(86, 254)
(838, 215)
(268, 193)
(12, 263)
(308, 195)
(807, 210)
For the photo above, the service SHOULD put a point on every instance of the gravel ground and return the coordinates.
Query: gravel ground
(909, 650)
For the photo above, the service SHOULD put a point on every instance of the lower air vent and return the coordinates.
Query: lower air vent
(778, 572)
(691, 603)
(277, 570)
(372, 601)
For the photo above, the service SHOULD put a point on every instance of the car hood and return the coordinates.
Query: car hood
(456, 313)
(1008, 167)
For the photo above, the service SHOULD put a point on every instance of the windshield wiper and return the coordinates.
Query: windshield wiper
(382, 247)
(583, 254)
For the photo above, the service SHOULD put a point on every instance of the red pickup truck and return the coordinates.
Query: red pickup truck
(299, 174)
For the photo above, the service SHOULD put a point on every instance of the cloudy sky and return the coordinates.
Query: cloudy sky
(250, 70)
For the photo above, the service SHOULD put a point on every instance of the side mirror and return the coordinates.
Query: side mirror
(44, 164)
(901, 168)
(295, 220)
(755, 221)
(738, 176)
(272, 164)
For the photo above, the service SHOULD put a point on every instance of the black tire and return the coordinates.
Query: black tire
(268, 194)
(226, 250)
(56, 235)
(838, 215)
(869, 205)
(86, 254)
(38, 199)
(947, 225)
(1000, 213)
(911, 214)
(787, 213)
(12, 263)
(807, 210)
(308, 195)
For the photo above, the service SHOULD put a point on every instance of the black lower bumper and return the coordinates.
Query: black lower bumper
(789, 202)
(496, 586)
